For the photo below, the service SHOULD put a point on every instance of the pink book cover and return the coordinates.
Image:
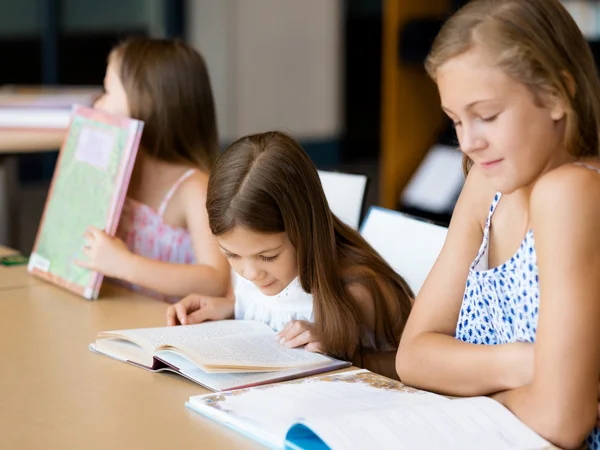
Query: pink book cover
(88, 188)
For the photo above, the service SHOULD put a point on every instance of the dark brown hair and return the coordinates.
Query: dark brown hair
(537, 43)
(266, 183)
(167, 86)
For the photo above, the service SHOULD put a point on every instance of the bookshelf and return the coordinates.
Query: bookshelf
(411, 118)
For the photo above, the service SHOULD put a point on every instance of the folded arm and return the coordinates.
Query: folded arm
(560, 403)
(429, 357)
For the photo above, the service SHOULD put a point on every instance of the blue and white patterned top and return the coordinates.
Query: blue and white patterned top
(500, 305)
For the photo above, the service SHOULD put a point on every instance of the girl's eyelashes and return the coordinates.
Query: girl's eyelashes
(490, 118)
(262, 258)
(456, 124)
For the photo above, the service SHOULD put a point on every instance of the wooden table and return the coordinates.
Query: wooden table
(15, 142)
(5, 251)
(12, 277)
(56, 394)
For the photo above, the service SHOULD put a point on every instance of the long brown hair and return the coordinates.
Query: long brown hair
(537, 43)
(168, 87)
(266, 183)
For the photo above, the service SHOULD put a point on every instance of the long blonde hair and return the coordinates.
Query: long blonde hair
(537, 43)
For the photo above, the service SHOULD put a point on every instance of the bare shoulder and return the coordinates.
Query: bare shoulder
(192, 198)
(195, 187)
(567, 193)
(475, 199)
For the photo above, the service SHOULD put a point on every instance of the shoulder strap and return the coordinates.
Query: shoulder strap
(588, 166)
(486, 231)
(495, 202)
(165, 202)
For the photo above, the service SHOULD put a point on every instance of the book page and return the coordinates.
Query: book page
(463, 424)
(151, 339)
(124, 351)
(223, 381)
(267, 412)
(247, 351)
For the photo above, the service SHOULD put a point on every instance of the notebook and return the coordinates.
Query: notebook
(362, 410)
(42, 107)
(220, 355)
(88, 188)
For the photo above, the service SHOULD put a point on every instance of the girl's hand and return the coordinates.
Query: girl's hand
(298, 333)
(105, 254)
(199, 308)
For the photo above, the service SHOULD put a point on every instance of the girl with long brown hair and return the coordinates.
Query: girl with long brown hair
(163, 246)
(298, 267)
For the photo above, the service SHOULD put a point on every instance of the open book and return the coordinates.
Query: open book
(362, 410)
(221, 355)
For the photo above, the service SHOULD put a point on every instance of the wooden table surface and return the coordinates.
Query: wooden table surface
(15, 141)
(56, 394)
(15, 276)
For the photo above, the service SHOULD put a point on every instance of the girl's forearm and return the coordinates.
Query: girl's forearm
(176, 279)
(443, 364)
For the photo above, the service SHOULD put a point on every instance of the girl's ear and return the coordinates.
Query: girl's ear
(558, 109)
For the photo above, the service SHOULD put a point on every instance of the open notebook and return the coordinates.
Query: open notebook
(221, 355)
(362, 410)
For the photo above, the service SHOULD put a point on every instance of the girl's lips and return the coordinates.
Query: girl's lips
(490, 164)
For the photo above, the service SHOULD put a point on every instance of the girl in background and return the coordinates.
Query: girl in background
(163, 246)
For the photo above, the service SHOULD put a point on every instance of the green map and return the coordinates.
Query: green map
(85, 185)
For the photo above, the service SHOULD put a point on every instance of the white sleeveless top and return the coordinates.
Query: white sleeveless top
(293, 303)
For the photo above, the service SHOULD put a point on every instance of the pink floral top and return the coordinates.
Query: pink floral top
(146, 234)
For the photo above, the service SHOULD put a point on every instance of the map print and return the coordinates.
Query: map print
(363, 377)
